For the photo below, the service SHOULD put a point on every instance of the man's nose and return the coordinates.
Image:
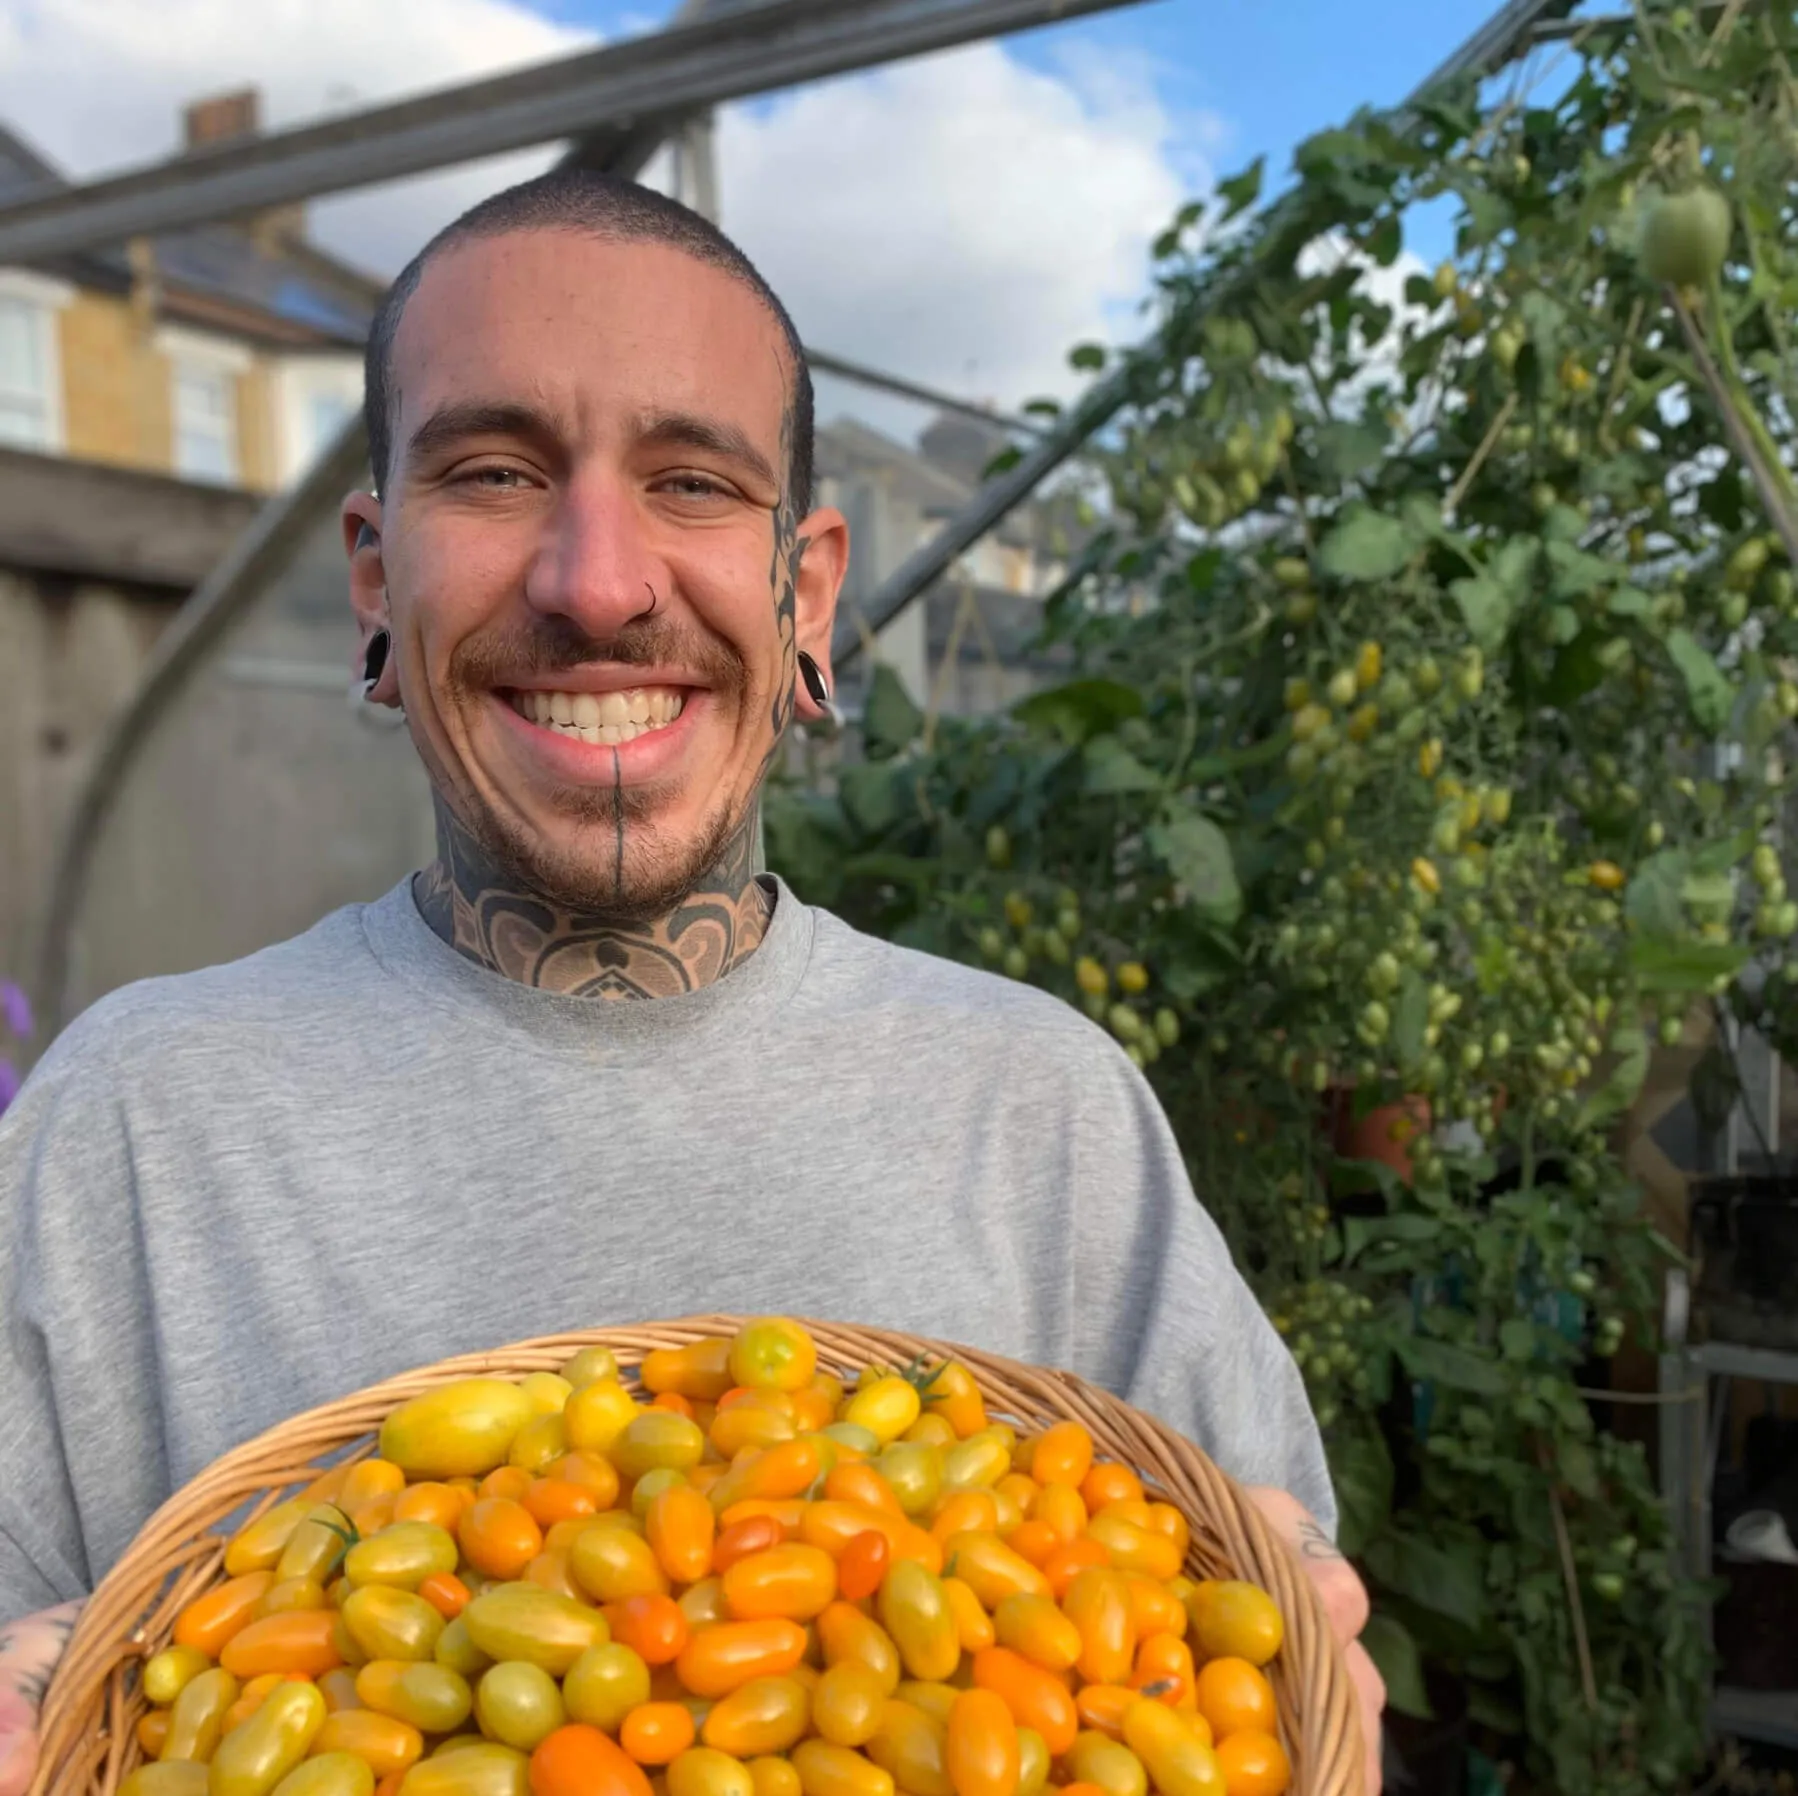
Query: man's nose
(595, 565)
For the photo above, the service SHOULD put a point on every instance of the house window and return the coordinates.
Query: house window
(330, 412)
(205, 422)
(29, 414)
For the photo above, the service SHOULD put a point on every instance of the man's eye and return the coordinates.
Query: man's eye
(496, 479)
(694, 486)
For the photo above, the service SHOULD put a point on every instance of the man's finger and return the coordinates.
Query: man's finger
(18, 1744)
(29, 1651)
(1370, 1689)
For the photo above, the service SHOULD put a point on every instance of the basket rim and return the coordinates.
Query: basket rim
(87, 1709)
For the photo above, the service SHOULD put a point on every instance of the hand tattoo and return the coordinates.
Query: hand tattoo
(1314, 1543)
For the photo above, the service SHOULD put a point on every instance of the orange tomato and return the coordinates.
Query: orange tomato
(1062, 1508)
(973, 1626)
(981, 1753)
(430, 1502)
(863, 1564)
(1164, 1659)
(581, 1761)
(755, 1535)
(656, 1732)
(699, 1371)
(153, 1732)
(716, 1660)
(499, 1537)
(509, 1481)
(383, 1743)
(991, 1569)
(966, 1512)
(1035, 1628)
(551, 1570)
(1063, 1454)
(763, 1716)
(789, 1512)
(1154, 1608)
(552, 1500)
(1234, 1698)
(792, 1580)
(1164, 1518)
(1109, 1482)
(682, 1406)
(302, 1640)
(653, 1627)
(783, 1469)
(369, 1478)
(1133, 1548)
(681, 1530)
(1034, 1698)
(858, 1482)
(374, 1515)
(210, 1620)
(446, 1593)
(1033, 1540)
(597, 1473)
(952, 1394)
(611, 1563)
(1064, 1565)
(1253, 1764)
(1098, 1604)
(1101, 1707)
(846, 1635)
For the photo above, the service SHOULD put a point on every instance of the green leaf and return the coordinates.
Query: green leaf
(1629, 601)
(1578, 1469)
(1441, 1578)
(1361, 1232)
(1362, 1473)
(1366, 545)
(1486, 609)
(1088, 357)
(890, 720)
(1708, 690)
(1111, 767)
(1685, 966)
(1487, 215)
(1241, 190)
(1543, 317)
(1576, 572)
(1197, 853)
(1394, 1653)
(1624, 1083)
(1460, 1368)
(1348, 447)
(1410, 1017)
(1081, 709)
(1654, 902)
(1517, 1339)
(874, 794)
(1002, 463)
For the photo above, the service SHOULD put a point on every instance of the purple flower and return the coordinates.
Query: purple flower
(9, 1084)
(16, 1008)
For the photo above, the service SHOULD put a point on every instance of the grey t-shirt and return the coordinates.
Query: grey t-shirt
(230, 1196)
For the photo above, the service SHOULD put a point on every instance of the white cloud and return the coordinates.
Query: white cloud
(962, 219)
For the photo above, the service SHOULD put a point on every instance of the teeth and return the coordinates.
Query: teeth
(602, 718)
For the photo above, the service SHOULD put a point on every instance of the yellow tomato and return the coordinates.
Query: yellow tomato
(462, 1429)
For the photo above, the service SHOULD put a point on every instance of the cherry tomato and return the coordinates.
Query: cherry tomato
(552, 1500)
(858, 1482)
(1234, 1620)
(1107, 1763)
(863, 1564)
(756, 1535)
(1177, 1759)
(430, 1501)
(1062, 1508)
(1234, 1697)
(1164, 1665)
(519, 1705)
(847, 1636)
(404, 1554)
(590, 1470)
(991, 1569)
(657, 1733)
(259, 1544)
(1133, 1548)
(1254, 1764)
(611, 1563)
(1064, 1565)
(973, 1626)
(1034, 1697)
(784, 1469)
(966, 1512)
(657, 1440)
(520, 1621)
(700, 1371)
(1154, 1607)
(209, 1621)
(466, 1428)
(847, 1704)
(431, 1698)
(915, 1611)
(1098, 1604)
(1035, 1628)
(198, 1717)
(381, 1742)
(1101, 1707)
(590, 1365)
(774, 1777)
(910, 1746)
(978, 1463)
(539, 1443)
(508, 1481)
(446, 1593)
(1035, 1541)
(476, 1768)
(950, 1392)
(387, 1623)
(765, 1715)
(604, 1684)
(652, 1626)
(302, 1641)
(253, 1758)
(579, 1760)
(886, 1408)
(1109, 1482)
(773, 1353)
(827, 1770)
(597, 1414)
(913, 1470)
(718, 1659)
(704, 1771)
(981, 1755)
(791, 1580)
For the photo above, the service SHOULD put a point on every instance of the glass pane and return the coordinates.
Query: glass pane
(21, 351)
(23, 423)
(204, 440)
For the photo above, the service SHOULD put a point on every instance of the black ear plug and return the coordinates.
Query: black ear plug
(365, 537)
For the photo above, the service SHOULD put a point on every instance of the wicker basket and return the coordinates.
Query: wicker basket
(94, 1702)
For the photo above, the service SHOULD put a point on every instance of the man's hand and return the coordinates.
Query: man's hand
(1344, 1600)
(29, 1650)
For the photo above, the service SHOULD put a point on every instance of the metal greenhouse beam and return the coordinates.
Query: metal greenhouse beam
(697, 63)
(1493, 45)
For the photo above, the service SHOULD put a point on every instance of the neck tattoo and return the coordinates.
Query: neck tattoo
(489, 916)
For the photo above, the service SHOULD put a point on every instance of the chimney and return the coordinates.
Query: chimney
(236, 118)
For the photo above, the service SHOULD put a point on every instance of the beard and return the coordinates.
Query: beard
(622, 872)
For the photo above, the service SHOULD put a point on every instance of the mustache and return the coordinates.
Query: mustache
(558, 645)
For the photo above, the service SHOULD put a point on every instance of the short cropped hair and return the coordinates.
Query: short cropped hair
(578, 199)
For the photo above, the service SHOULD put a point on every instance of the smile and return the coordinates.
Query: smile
(607, 718)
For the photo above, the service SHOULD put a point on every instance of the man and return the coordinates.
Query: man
(586, 1066)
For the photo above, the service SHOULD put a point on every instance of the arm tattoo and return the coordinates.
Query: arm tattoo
(1314, 1543)
(30, 1650)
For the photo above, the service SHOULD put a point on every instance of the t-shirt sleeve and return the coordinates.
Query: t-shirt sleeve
(77, 1350)
(1164, 1317)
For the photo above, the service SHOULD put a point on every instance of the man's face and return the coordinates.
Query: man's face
(590, 557)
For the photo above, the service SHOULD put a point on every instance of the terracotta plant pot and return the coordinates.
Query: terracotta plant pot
(1384, 1134)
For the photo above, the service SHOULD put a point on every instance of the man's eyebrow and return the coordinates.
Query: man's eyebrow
(455, 422)
(688, 430)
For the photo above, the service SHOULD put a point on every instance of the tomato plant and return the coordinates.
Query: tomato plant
(1423, 767)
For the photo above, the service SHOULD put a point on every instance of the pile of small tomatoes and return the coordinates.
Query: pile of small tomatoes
(734, 1575)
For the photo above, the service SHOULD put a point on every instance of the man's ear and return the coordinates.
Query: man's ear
(361, 521)
(822, 566)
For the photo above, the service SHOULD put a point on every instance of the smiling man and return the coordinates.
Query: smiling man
(586, 1066)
